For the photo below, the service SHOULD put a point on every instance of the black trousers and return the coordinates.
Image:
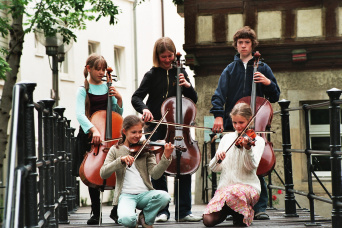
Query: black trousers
(95, 201)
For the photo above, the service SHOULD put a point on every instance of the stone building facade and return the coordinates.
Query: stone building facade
(300, 40)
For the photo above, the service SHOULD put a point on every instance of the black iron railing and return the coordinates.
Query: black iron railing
(40, 189)
(335, 197)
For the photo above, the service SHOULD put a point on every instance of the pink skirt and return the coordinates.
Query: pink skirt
(239, 197)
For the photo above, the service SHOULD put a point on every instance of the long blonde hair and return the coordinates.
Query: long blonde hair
(160, 46)
(93, 61)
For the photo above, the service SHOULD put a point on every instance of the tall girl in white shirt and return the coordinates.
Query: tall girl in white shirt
(239, 186)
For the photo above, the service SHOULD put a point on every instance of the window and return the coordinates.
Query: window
(320, 139)
(118, 62)
(39, 48)
(93, 47)
(64, 67)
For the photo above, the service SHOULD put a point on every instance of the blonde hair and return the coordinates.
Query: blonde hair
(160, 46)
(246, 33)
(93, 61)
(242, 109)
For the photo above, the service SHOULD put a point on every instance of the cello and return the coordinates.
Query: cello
(109, 124)
(186, 156)
(262, 122)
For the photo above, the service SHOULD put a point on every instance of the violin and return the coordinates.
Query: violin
(249, 135)
(156, 147)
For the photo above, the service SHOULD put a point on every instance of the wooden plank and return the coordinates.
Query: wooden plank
(79, 219)
(220, 27)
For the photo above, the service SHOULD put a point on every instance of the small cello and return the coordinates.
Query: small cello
(262, 122)
(109, 124)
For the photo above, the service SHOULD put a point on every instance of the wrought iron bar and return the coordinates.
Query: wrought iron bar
(335, 145)
(290, 206)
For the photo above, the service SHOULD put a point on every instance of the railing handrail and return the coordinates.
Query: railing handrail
(56, 192)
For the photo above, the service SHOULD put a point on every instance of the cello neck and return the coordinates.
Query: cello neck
(253, 93)
(179, 118)
(108, 132)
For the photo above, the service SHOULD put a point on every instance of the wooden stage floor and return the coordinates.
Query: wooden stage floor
(79, 219)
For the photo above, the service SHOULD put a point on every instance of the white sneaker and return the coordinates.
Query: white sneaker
(190, 218)
(161, 218)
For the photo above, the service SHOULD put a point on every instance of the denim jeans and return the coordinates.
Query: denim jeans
(184, 195)
(150, 202)
(261, 205)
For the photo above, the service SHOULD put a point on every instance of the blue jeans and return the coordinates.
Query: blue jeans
(184, 195)
(150, 202)
(261, 205)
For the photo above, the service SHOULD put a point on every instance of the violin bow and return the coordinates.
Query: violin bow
(198, 127)
(149, 137)
(245, 129)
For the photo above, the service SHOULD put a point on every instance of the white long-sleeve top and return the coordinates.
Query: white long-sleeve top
(239, 165)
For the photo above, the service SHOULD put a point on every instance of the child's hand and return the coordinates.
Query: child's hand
(246, 143)
(128, 160)
(96, 140)
(183, 81)
(147, 115)
(260, 78)
(220, 155)
(113, 92)
(168, 148)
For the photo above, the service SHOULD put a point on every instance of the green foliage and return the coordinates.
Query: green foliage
(4, 67)
(47, 16)
(84, 202)
(178, 2)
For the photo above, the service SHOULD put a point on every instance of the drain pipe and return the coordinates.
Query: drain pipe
(162, 16)
(136, 83)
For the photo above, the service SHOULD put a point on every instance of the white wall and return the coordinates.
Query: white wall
(35, 65)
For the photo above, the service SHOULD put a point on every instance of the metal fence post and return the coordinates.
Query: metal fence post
(213, 174)
(30, 186)
(309, 167)
(48, 121)
(63, 207)
(290, 203)
(73, 178)
(335, 159)
(69, 196)
(42, 168)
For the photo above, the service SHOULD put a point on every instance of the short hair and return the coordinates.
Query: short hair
(161, 45)
(246, 33)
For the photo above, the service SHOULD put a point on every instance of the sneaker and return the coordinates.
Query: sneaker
(190, 218)
(161, 218)
(229, 218)
(261, 216)
(94, 220)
